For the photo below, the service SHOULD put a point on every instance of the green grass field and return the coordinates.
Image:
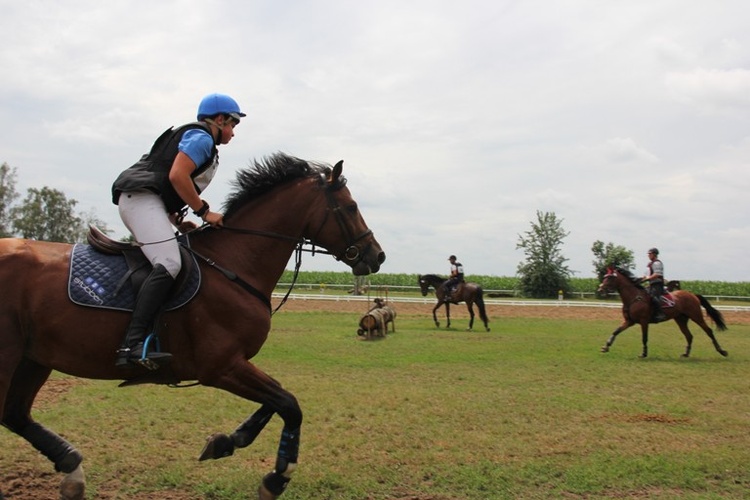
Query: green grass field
(529, 410)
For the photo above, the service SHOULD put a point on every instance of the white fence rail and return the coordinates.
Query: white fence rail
(499, 302)
(503, 293)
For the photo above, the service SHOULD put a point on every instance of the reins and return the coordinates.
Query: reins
(639, 295)
(232, 276)
(351, 252)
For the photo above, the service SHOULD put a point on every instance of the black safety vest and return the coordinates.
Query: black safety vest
(152, 170)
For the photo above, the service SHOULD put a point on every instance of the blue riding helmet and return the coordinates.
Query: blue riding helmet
(219, 104)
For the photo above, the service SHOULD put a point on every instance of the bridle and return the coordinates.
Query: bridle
(605, 285)
(351, 253)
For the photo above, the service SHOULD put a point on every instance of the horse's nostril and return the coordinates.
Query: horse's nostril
(381, 257)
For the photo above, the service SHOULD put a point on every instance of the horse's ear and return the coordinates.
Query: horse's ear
(337, 169)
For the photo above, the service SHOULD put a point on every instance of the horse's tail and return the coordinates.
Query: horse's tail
(480, 304)
(713, 313)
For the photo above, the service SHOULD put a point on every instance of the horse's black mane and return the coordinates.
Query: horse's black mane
(633, 279)
(433, 277)
(264, 175)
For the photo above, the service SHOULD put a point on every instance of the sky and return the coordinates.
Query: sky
(457, 121)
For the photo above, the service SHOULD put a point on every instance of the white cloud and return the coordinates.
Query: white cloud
(625, 150)
(712, 90)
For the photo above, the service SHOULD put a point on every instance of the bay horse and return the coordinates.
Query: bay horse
(277, 205)
(466, 292)
(637, 308)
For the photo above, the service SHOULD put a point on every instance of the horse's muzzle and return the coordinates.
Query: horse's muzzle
(370, 260)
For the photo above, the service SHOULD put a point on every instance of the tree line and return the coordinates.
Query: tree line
(43, 214)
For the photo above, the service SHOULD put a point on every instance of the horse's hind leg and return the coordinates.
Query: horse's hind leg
(682, 322)
(27, 379)
(471, 316)
(702, 323)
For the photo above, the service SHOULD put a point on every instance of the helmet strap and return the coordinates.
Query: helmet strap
(211, 121)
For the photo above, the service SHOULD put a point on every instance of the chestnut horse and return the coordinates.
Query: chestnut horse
(637, 308)
(467, 292)
(277, 205)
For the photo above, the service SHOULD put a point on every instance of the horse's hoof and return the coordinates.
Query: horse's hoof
(217, 446)
(264, 494)
(604, 349)
(724, 353)
(73, 486)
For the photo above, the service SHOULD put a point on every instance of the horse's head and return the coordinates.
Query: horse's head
(305, 200)
(424, 286)
(609, 281)
(343, 230)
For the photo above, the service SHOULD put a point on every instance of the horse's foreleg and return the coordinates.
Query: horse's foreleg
(246, 380)
(644, 338)
(220, 445)
(275, 482)
(434, 314)
(447, 314)
(624, 326)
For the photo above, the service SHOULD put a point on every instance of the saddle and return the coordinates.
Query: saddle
(450, 291)
(107, 273)
(666, 299)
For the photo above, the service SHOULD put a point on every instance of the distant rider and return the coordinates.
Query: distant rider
(655, 278)
(456, 276)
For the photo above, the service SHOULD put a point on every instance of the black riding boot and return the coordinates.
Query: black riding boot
(658, 314)
(151, 298)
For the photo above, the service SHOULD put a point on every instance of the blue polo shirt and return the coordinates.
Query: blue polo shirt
(198, 145)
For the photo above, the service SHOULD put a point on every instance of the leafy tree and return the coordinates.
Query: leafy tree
(46, 214)
(544, 272)
(89, 219)
(610, 255)
(8, 196)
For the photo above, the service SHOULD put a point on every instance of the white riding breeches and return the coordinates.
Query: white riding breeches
(145, 216)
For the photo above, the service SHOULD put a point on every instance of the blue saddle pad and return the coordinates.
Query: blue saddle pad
(98, 280)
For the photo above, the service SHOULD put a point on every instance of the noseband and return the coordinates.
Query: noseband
(352, 253)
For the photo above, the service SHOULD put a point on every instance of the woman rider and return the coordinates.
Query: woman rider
(155, 194)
